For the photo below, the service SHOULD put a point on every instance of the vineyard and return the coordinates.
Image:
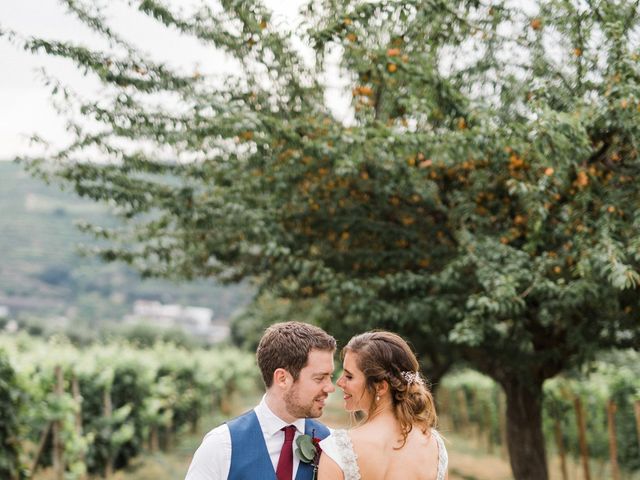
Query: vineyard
(91, 411)
(591, 420)
(82, 412)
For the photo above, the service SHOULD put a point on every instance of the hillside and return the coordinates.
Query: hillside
(43, 274)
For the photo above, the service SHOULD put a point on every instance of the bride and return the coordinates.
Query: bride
(397, 438)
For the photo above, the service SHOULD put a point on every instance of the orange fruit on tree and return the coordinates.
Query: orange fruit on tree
(582, 180)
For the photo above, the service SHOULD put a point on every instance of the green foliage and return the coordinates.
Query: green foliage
(479, 197)
(164, 387)
(146, 335)
(121, 436)
(482, 398)
(614, 377)
(615, 380)
(248, 326)
(625, 391)
(10, 452)
(305, 448)
(45, 267)
(480, 203)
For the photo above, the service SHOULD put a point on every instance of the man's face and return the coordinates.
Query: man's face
(306, 397)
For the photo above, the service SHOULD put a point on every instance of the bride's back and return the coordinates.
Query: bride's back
(379, 457)
(381, 378)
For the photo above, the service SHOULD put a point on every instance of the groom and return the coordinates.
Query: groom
(296, 361)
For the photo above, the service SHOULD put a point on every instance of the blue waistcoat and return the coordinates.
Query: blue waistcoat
(249, 456)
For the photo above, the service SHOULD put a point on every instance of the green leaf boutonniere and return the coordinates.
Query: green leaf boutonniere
(308, 450)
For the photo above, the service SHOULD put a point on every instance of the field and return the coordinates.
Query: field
(129, 412)
(468, 456)
(467, 461)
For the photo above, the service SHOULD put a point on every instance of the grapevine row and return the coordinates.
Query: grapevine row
(593, 420)
(92, 410)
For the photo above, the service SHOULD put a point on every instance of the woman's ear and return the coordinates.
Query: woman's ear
(382, 388)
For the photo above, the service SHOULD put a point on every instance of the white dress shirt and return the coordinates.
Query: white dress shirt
(212, 460)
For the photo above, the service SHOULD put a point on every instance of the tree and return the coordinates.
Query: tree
(482, 200)
(249, 325)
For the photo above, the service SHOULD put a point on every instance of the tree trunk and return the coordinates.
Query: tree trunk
(524, 431)
(502, 419)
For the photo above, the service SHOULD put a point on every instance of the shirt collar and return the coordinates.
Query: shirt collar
(271, 423)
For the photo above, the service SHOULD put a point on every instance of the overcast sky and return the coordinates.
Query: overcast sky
(25, 103)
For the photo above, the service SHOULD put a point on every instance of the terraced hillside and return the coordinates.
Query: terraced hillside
(43, 274)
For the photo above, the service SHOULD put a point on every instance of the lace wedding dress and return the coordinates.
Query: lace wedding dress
(339, 448)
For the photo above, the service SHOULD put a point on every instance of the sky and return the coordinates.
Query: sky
(25, 103)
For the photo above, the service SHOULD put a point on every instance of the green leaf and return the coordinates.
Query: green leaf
(306, 449)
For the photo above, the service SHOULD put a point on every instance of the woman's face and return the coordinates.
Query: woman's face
(352, 382)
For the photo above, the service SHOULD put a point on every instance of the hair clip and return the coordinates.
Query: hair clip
(412, 377)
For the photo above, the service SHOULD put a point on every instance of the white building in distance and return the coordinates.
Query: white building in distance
(197, 321)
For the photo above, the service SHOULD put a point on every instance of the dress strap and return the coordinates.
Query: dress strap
(349, 457)
(443, 457)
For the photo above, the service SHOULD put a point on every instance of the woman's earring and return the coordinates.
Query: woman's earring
(377, 398)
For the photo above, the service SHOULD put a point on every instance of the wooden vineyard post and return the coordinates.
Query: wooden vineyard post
(464, 415)
(107, 411)
(195, 421)
(502, 418)
(443, 406)
(225, 405)
(214, 402)
(560, 444)
(154, 441)
(58, 448)
(613, 445)
(40, 448)
(168, 439)
(475, 426)
(75, 390)
(443, 401)
(582, 436)
(637, 412)
(488, 424)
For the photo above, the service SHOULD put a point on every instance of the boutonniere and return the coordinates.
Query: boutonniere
(308, 450)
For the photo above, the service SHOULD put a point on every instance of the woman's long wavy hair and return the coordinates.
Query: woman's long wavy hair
(385, 356)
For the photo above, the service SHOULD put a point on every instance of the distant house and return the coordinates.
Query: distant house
(10, 326)
(197, 321)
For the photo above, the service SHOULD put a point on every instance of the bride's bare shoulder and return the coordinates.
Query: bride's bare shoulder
(373, 439)
(365, 430)
(369, 436)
